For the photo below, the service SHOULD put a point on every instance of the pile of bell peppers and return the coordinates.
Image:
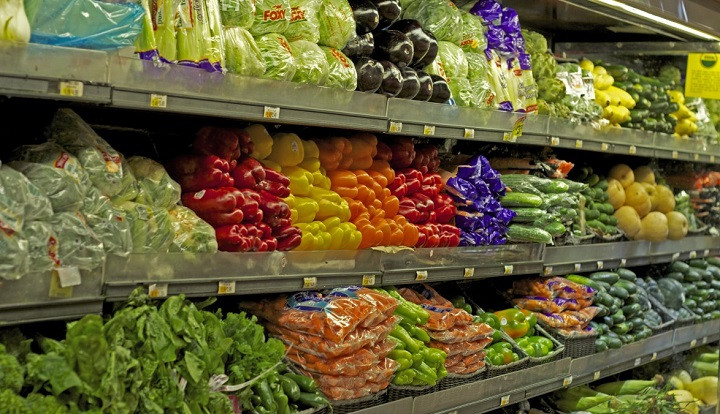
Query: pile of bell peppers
(419, 365)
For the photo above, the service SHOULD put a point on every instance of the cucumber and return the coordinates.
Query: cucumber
(631, 310)
(527, 215)
(618, 292)
(592, 180)
(627, 338)
(626, 274)
(621, 328)
(520, 233)
(679, 267)
(676, 275)
(607, 277)
(618, 317)
(715, 261)
(605, 286)
(692, 276)
(608, 321)
(603, 298)
(555, 229)
(698, 263)
(628, 286)
(602, 310)
(592, 214)
(618, 302)
(637, 322)
(514, 199)
(600, 345)
(544, 185)
(613, 342)
(597, 327)
(706, 276)
(585, 281)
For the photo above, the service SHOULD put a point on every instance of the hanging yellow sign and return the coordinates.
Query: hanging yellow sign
(702, 79)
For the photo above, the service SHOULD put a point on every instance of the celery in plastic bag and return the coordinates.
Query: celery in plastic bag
(164, 21)
(191, 32)
(145, 44)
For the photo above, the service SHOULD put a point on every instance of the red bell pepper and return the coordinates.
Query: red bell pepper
(289, 239)
(413, 185)
(403, 152)
(273, 207)
(223, 142)
(276, 177)
(232, 238)
(189, 164)
(272, 243)
(201, 180)
(274, 188)
(445, 209)
(398, 187)
(384, 153)
(215, 200)
(248, 173)
(251, 207)
(411, 173)
(222, 219)
(265, 230)
(409, 210)
(422, 202)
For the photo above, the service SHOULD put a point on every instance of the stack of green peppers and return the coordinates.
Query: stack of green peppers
(285, 394)
(501, 353)
(536, 346)
(493, 321)
(459, 302)
(419, 365)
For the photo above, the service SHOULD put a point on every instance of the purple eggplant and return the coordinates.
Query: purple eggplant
(366, 16)
(360, 46)
(441, 90)
(414, 31)
(410, 84)
(392, 79)
(369, 74)
(389, 11)
(394, 46)
(426, 86)
(430, 55)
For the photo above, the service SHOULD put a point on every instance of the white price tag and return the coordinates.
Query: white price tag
(696, 156)
(654, 356)
(309, 282)
(547, 271)
(71, 88)
(368, 280)
(272, 112)
(623, 262)
(567, 381)
(158, 290)
(395, 127)
(421, 275)
(508, 269)
(554, 141)
(578, 143)
(504, 400)
(600, 264)
(429, 130)
(596, 375)
(158, 101)
(577, 267)
(226, 288)
(712, 158)
(704, 340)
(693, 254)
(675, 256)
(604, 146)
(693, 343)
(706, 253)
(469, 133)
(632, 150)
(637, 361)
(69, 276)
(469, 272)
(675, 155)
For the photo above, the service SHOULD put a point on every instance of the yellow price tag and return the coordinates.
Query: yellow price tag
(693, 254)
(309, 282)
(632, 150)
(600, 264)
(554, 141)
(469, 133)
(56, 290)
(675, 256)
(696, 156)
(504, 400)
(706, 253)
(429, 130)
(271, 112)
(421, 275)
(469, 272)
(604, 146)
(693, 343)
(567, 381)
(508, 269)
(158, 290)
(548, 270)
(637, 361)
(71, 88)
(577, 267)
(158, 101)
(675, 155)
(368, 280)
(654, 356)
(623, 262)
(712, 158)
(705, 340)
(395, 127)
(596, 375)
(578, 143)
(226, 288)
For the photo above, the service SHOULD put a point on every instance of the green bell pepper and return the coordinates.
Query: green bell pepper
(404, 377)
(403, 335)
(435, 356)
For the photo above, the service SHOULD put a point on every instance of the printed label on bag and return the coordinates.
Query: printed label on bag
(69, 276)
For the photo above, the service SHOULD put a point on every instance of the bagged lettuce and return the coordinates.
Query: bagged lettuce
(192, 234)
(463, 92)
(312, 65)
(42, 246)
(279, 60)
(271, 16)
(341, 72)
(13, 256)
(20, 200)
(78, 246)
(304, 21)
(453, 60)
(473, 34)
(237, 13)
(336, 23)
(155, 187)
(242, 55)
(478, 72)
(108, 223)
(129, 185)
(151, 229)
(441, 17)
(56, 172)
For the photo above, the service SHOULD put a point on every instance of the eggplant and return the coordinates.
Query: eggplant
(360, 46)
(410, 83)
(431, 53)
(414, 31)
(389, 11)
(426, 86)
(392, 79)
(366, 16)
(369, 74)
(394, 46)
(441, 90)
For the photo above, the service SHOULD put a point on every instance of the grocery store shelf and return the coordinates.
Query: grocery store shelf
(580, 49)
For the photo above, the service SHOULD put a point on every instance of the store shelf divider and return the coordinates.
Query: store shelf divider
(697, 333)
(402, 406)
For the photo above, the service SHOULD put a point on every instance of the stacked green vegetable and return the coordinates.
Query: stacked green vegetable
(683, 205)
(146, 358)
(551, 90)
(598, 212)
(630, 396)
(500, 352)
(419, 365)
(543, 207)
(693, 286)
(625, 311)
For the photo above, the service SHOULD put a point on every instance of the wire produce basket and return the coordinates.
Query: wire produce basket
(556, 353)
(455, 380)
(398, 392)
(668, 320)
(320, 410)
(348, 406)
(575, 346)
(522, 363)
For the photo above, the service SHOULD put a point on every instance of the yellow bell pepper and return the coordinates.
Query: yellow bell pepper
(317, 194)
(311, 149)
(287, 150)
(293, 215)
(261, 139)
(352, 238)
(320, 180)
(677, 97)
(271, 165)
(300, 180)
(332, 209)
(331, 222)
(311, 164)
(307, 208)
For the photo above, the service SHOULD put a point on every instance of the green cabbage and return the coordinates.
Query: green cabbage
(155, 187)
(336, 23)
(463, 93)
(473, 34)
(151, 229)
(271, 16)
(77, 244)
(20, 200)
(304, 22)
(312, 65)
(342, 72)
(441, 17)
(453, 60)
(242, 55)
(551, 89)
(279, 60)
(237, 13)
(191, 234)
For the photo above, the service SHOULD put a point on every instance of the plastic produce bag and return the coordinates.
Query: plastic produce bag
(155, 187)
(20, 200)
(441, 17)
(312, 65)
(463, 93)
(101, 162)
(87, 24)
(342, 72)
(129, 185)
(56, 172)
(473, 34)
(193, 33)
(151, 229)
(453, 60)
(109, 223)
(336, 23)
(304, 22)
(215, 52)
(192, 234)
(279, 60)
(78, 246)
(242, 55)
(237, 13)
(42, 246)
(13, 255)
(145, 44)
(158, 36)
(271, 16)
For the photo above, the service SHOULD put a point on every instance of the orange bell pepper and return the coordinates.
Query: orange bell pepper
(343, 178)
(378, 177)
(396, 236)
(383, 167)
(364, 148)
(365, 194)
(349, 192)
(331, 151)
(356, 207)
(391, 205)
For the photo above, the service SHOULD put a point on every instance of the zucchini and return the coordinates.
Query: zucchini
(631, 310)
(527, 215)
(627, 338)
(679, 267)
(706, 276)
(608, 321)
(587, 282)
(692, 276)
(613, 342)
(626, 274)
(715, 261)
(618, 292)
(603, 298)
(637, 322)
(605, 286)
(513, 199)
(676, 275)
(600, 345)
(520, 233)
(602, 310)
(690, 289)
(698, 264)
(628, 286)
(618, 317)
(621, 328)
(607, 277)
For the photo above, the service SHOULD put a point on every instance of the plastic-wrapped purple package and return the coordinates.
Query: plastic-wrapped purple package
(481, 187)
(489, 10)
(496, 185)
(496, 37)
(466, 220)
(505, 215)
(510, 22)
(461, 188)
